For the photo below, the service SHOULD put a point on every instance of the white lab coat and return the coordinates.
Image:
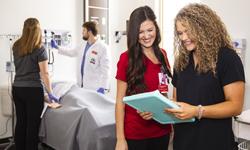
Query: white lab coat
(97, 64)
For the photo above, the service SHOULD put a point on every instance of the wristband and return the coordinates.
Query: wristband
(200, 112)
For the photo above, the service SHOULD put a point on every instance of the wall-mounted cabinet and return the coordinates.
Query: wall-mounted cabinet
(98, 10)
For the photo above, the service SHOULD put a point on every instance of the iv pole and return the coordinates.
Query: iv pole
(11, 71)
(11, 140)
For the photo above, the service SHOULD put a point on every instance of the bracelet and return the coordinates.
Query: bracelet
(200, 112)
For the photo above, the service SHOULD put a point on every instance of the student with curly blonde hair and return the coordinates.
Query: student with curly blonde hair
(208, 81)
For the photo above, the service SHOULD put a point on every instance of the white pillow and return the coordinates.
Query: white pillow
(244, 116)
(61, 88)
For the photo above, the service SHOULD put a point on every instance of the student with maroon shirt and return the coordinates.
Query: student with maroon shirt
(138, 71)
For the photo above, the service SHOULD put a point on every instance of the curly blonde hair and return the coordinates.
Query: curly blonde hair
(209, 33)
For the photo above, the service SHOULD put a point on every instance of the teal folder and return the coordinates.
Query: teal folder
(155, 102)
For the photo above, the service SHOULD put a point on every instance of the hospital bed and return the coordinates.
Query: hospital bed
(84, 122)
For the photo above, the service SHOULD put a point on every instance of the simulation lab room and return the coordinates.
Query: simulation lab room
(124, 75)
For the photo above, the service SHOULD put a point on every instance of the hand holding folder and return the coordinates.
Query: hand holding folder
(155, 103)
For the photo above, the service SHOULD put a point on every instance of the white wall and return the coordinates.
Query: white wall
(52, 14)
(56, 14)
(235, 15)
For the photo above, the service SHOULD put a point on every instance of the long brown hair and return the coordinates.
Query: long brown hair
(31, 37)
(136, 67)
(209, 33)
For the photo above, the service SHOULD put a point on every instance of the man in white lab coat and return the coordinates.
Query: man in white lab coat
(93, 59)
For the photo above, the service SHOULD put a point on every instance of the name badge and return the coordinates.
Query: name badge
(163, 82)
